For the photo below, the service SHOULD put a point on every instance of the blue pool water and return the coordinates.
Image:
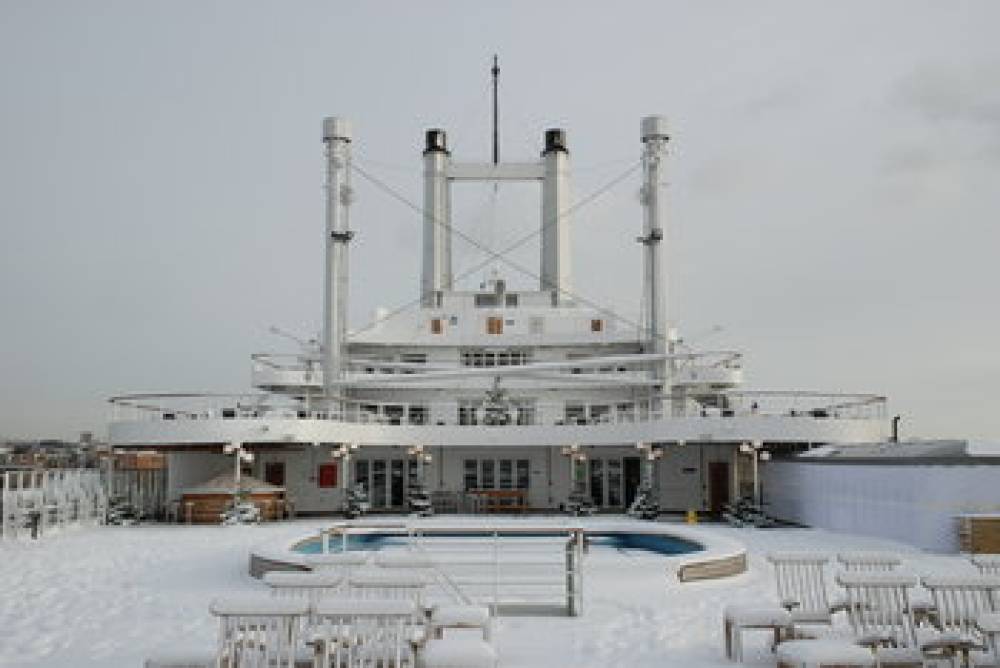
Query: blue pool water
(618, 540)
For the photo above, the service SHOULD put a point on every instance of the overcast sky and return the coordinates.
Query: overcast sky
(833, 202)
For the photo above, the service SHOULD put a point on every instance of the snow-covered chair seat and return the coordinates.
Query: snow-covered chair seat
(461, 617)
(311, 586)
(737, 618)
(456, 653)
(345, 562)
(823, 654)
(868, 561)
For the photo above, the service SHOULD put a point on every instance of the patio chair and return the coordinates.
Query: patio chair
(959, 602)
(366, 632)
(881, 617)
(259, 631)
(801, 585)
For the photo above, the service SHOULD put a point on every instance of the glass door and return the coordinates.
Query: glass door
(378, 494)
(397, 486)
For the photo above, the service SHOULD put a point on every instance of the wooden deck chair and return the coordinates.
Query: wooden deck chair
(959, 601)
(801, 585)
(881, 617)
(258, 631)
(873, 562)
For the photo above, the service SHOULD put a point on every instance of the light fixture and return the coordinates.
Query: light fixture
(765, 456)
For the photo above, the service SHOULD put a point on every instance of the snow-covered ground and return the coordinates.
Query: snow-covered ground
(113, 596)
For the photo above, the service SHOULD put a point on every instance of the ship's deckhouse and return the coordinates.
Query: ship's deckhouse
(532, 392)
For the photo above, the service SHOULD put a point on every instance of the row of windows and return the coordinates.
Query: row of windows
(491, 358)
(497, 474)
(495, 324)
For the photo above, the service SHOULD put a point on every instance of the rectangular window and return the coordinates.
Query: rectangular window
(437, 327)
(467, 412)
(505, 476)
(486, 300)
(327, 476)
(494, 325)
(597, 325)
(511, 300)
(488, 481)
(523, 473)
(413, 358)
(576, 414)
(471, 475)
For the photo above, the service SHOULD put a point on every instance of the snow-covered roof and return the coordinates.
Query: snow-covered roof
(225, 482)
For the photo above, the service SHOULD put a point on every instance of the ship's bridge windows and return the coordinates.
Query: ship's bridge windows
(479, 357)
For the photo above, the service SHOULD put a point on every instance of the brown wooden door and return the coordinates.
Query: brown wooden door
(274, 473)
(718, 485)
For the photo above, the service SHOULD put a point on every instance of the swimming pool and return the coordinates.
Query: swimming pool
(656, 543)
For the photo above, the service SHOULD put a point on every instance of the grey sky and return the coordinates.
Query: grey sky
(834, 198)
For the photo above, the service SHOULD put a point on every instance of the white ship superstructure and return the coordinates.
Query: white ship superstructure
(534, 391)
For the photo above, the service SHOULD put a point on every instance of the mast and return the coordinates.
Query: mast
(496, 135)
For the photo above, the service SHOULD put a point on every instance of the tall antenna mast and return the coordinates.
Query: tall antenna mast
(496, 136)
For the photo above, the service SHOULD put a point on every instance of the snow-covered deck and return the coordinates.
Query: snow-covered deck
(112, 596)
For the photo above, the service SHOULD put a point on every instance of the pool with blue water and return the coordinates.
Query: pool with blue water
(656, 543)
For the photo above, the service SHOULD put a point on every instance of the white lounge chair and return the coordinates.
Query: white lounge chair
(366, 632)
(881, 616)
(802, 587)
(959, 602)
(259, 631)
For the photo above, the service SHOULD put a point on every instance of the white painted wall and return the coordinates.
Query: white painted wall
(915, 504)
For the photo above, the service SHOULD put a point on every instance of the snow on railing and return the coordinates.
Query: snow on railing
(32, 502)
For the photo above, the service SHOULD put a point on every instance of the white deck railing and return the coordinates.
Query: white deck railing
(499, 567)
(796, 404)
